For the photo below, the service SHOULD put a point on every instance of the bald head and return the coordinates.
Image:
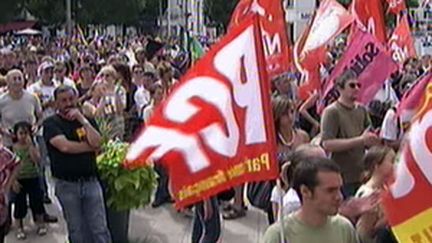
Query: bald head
(15, 80)
(310, 150)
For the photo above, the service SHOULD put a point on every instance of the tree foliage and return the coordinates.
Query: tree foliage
(109, 11)
(218, 12)
(9, 9)
(53, 12)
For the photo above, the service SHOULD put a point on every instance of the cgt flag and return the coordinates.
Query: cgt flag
(396, 6)
(408, 201)
(310, 50)
(370, 62)
(401, 43)
(215, 129)
(370, 14)
(275, 40)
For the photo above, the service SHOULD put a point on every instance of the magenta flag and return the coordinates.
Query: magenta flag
(369, 59)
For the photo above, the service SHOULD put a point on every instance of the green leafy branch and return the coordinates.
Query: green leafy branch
(126, 189)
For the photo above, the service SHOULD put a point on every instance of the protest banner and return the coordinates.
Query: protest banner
(408, 200)
(215, 130)
(277, 48)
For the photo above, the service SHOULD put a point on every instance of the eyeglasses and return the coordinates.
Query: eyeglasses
(17, 79)
(354, 85)
(105, 75)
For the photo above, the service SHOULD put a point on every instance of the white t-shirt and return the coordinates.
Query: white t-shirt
(387, 94)
(13, 111)
(148, 112)
(291, 201)
(66, 81)
(45, 93)
(390, 128)
(142, 99)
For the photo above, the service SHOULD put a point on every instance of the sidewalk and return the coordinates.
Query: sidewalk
(161, 225)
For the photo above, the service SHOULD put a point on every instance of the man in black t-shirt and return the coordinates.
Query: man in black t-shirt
(71, 142)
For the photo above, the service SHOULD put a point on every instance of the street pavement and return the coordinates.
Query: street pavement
(160, 225)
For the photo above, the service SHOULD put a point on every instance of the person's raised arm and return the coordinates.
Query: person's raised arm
(330, 142)
(94, 139)
(305, 113)
(61, 143)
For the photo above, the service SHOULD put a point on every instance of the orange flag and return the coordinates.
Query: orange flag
(408, 200)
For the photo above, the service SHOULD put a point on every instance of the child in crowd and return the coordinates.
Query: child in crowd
(379, 170)
(27, 182)
(284, 199)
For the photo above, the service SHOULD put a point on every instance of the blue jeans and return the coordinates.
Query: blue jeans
(44, 163)
(206, 230)
(84, 211)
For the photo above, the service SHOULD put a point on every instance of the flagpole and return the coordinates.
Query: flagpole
(68, 17)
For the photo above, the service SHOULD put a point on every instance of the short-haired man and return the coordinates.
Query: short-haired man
(345, 127)
(317, 182)
(17, 105)
(72, 141)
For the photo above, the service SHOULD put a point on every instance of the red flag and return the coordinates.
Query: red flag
(408, 201)
(401, 43)
(371, 63)
(212, 141)
(370, 14)
(396, 6)
(411, 100)
(330, 20)
(272, 19)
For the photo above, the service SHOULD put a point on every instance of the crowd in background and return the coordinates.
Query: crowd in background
(120, 81)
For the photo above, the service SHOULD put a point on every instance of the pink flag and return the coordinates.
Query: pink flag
(412, 98)
(369, 60)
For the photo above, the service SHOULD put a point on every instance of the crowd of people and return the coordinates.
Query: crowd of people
(56, 95)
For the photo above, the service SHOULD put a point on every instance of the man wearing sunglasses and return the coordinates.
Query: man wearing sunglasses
(346, 132)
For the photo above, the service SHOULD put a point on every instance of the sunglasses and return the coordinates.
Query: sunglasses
(354, 85)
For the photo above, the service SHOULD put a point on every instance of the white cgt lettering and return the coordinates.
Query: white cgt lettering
(272, 44)
(248, 94)
(166, 140)
(181, 110)
(422, 156)
(228, 61)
